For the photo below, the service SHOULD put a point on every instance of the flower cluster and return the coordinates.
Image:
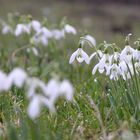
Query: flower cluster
(38, 92)
(112, 62)
(40, 34)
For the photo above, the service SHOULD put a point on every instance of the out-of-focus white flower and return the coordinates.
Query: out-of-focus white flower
(91, 39)
(52, 89)
(127, 53)
(33, 84)
(6, 29)
(36, 39)
(34, 107)
(49, 104)
(70, 29)
(45, 32)
(22, 28)
(5, 84)
(80, 55)
(42, 36)
(17, 77)
(36, 25)
(67, 90)
(58, 34)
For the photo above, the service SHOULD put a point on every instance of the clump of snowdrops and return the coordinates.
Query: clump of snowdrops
(120, 65)
(38, 92)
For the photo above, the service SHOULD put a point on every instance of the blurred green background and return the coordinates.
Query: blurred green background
(106, 20)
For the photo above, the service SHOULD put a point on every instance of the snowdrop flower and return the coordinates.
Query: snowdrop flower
(45, 32)
(58, 34)
(69, 29)
(34, 107)
(91, 39)
(33, 84)
(127, 53)
(66, 89)
(5, 84)
(22, 28)
(42, 36)
(49, 104)
(114, 71)
(6, 29)
(137, 55)
(116, 56)
(52, 89)
(80, 55)
(17, 77)
(103, 64)
(35, 25)
(126, 69)
(36, 39)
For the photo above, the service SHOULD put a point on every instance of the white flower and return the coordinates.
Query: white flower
(116, 56)
(127, 53)
(17, 77)
(58, 34)
(67, 90)
(40, 39)
(49, 104)
(103, 64)
(137, 55)
(45, 32)
(22, 28)
(114, 71)
(80, 55)
(5, 84)
(6, 29)
(91, 39)
(35, 25)
(69, 29)
(52, 90)
(126, 70)
(34, 107)
(33, 84)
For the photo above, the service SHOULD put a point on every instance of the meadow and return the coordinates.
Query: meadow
(68, 80)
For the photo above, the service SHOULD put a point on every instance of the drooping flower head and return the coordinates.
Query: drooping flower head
(79, 55)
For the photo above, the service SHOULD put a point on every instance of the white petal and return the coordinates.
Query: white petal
(5, 83)
(69, 29)
(85, 57)
(34, 108)
(73, 56)
(91, 39)
(52, 90)
(17, 77)
(36, 25)
(67, 89)
(92, 55)
(95, 69)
